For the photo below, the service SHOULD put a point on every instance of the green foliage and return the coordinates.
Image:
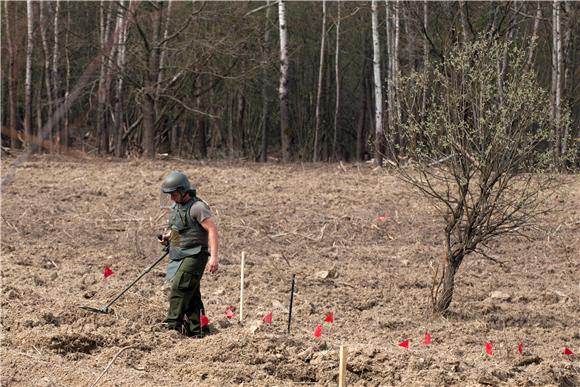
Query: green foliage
(480, 116)
(482, 149)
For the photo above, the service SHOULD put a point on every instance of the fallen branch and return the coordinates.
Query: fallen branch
(109, 365)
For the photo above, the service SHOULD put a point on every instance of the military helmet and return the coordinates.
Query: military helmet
(176, 181)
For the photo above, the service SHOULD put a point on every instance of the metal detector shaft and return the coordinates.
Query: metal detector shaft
(147, 270)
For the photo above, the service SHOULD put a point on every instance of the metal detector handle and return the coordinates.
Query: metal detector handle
(147, 270)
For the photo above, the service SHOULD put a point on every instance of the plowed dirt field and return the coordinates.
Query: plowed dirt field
(359, 241)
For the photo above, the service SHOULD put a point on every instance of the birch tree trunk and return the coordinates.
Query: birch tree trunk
(55, 77)
(397, 107)
(12, 78)
(510, 38)
(55, 49)
(162, 55)
(47, 71)
(464, 24)
(567, 85)
(423, 111)
(425, 55)
(337, 82)
(556, 81)
(28, 76)
(120, 58)
(65, 125)
(390, 73)
(264, 118)
(379, 133)
(534, 38)
(285, 130)
(315, 151)
(102, 127)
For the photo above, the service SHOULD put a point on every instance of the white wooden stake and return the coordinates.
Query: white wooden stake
(242, 288)
(342, 367)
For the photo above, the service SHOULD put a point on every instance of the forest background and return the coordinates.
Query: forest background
(256, 80)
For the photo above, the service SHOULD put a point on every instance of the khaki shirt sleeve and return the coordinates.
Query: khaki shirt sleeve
(200, 211)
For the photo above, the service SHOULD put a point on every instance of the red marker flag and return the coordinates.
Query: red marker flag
(203, 320)
(230, 313)
(329, 318)
(267, 318)
(318, 331)
(567, 351)
(427, 339)
(107, 272)
(404, 344)
(489, 348)
(521, 348)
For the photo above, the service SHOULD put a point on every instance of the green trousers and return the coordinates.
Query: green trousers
(185, 304)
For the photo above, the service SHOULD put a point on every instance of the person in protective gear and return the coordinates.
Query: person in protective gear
(192, 238)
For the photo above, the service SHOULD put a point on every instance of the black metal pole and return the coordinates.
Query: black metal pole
(291, 302)
(147, 270)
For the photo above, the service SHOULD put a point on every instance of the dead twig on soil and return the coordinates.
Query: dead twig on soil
(318, 239)
(10, 224)
(123, 220)
(110, 364)
(247, 227)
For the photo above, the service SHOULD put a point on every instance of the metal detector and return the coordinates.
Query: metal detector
(105, 309)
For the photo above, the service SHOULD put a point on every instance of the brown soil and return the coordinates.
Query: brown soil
(63, 220)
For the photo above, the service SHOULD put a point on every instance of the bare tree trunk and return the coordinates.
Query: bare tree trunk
(556, 79)
(200, 140)
(162, 55)
(55, 77)
(102, 127)
(315, 150)
(425, 55)
(337, 82)
(12, 78)
(241, 115)
(264, 118)
(360, 127)
(464, 24)
(567, 69)
(443, 287)
(121, 49)
(534, 38)
(149, 118)
(425, 69)
(396, 71)
(47, 72)
(285, 130)
(230, 125)
(55, 48)
(174, 143)
(28, 76)
(65, 140)
(390, 74)
(502, 66)
(377, 86)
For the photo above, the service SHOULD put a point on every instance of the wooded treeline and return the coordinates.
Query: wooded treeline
(255, 80)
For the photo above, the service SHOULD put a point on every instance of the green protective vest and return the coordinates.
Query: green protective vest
(188, 237)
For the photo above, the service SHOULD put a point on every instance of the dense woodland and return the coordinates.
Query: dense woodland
(311, 81)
